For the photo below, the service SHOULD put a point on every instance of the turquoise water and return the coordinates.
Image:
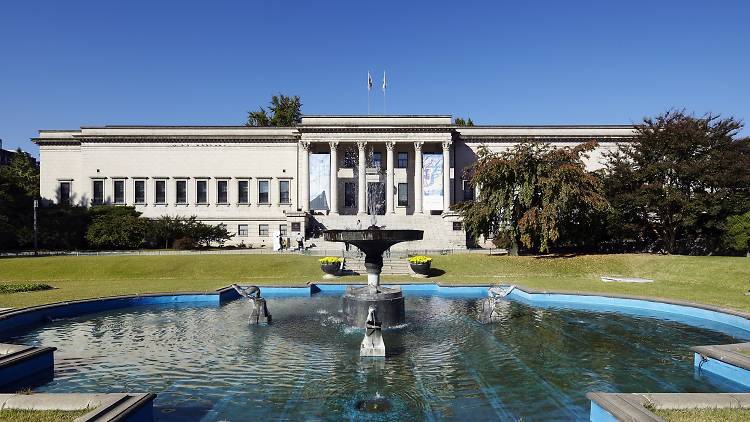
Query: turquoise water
(206, 363)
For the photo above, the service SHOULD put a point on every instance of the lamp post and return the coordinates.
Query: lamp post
(36, 205)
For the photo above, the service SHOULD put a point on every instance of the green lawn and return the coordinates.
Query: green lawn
(14, 415)
(720, 281)
(704, 415)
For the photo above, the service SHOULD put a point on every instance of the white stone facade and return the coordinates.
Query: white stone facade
(256, 180)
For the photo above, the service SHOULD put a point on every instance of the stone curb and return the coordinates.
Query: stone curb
(105, 407)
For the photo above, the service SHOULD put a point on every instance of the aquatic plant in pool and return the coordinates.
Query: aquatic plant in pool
(207, 363)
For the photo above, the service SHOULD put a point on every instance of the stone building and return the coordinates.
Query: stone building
(293, 180)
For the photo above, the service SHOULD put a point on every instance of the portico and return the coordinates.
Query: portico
(379, 156)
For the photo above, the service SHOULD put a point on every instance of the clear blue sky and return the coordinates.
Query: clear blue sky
(64, 64)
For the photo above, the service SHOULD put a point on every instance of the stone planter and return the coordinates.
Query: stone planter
(421, 270)
(331, 270)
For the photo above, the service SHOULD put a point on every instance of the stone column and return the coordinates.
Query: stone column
(304, 176)
(334, 200)
(362, 179)
(389, 177)
(446, 176)
(418, 177)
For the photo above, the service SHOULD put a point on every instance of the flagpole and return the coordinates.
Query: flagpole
(385, 85)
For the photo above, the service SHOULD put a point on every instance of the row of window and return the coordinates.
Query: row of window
(181, 191)
(350, 199)
(243, 229)
(402, 160)
(222, 192)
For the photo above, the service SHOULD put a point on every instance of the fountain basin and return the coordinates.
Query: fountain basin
(388, 301)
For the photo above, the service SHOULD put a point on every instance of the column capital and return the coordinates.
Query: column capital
(361, 145)
(305, 145)
(389, 145)
(333, 145)
(447, 145)
(418, 145)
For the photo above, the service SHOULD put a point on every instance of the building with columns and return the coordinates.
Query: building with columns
(327, 172)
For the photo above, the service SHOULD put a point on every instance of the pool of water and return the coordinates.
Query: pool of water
(207, 363)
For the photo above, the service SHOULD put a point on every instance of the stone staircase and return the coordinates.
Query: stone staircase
(396, 264)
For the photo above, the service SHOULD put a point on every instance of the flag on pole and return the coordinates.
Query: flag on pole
(385, 84)
(369, 81)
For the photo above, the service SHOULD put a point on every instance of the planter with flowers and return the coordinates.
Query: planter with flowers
(420, 265)
(330, 265)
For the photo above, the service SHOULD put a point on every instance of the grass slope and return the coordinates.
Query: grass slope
(720, 281)
(14, 415)
(704, 415)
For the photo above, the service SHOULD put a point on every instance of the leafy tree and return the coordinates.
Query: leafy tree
(459, 121)
(116, 227)
(19, 187)
(737, 236)
(675, 185)
(536, 195)
(63, 227)
(286, 111)
(165, 230)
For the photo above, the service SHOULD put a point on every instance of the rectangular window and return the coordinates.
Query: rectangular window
(403, 160)
(468, 191)
(349, 195)
(161, 192)
(64, 193)
(377, 159)
(201, 191)
(119, 191)
(282, 229)
(140, 191)
(181, 189)
(242, 230)
(98, 192)
(403, 194)
(457, 225)
(262, 229)
(263, 192)
(243, 192)
(284, 192)
(296, 227)
(222, 191)
(350, 159)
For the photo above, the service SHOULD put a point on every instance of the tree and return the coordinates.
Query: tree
(737, 237)
(674, 186)
(166, 230)
(116, 227)
(19, 187)
(536, 195)
(286, 111)
(459, 121)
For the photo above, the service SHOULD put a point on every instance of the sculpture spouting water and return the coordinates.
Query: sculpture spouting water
(259, 312)
(372, 345)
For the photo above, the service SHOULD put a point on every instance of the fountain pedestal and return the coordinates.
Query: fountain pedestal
(388, 301)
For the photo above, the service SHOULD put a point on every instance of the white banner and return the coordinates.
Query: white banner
(320, 181)
(432, 181)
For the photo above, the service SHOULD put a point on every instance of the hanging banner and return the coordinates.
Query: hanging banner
(432, 181)
(320, 181)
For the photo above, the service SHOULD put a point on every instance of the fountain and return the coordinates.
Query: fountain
(373, 241)
(388, 301)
